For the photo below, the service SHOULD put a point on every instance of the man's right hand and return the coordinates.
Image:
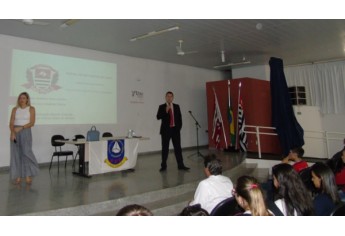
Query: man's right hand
(168, 108)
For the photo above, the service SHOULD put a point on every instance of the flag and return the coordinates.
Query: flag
(231, 122)
(241, 126)
(218, 127)
(217, 132)
(232, 127)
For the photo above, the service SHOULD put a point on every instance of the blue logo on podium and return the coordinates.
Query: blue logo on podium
(116, 153)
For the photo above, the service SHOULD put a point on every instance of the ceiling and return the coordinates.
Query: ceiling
(295, 41)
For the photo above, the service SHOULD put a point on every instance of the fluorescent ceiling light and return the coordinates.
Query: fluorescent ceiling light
(153, 33)
(232, 64)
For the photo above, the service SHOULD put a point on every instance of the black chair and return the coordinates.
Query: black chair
(107, 135)
(76, 137)
(58, 150)
(273, 208)
(339, 210)
(227, 207)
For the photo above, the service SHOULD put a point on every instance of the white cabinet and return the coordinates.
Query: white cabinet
(309, 117)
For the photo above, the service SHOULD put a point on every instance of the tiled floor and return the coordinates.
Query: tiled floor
(55, 190)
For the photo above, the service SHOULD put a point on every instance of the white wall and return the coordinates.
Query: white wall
(153, 78)
(258, 72)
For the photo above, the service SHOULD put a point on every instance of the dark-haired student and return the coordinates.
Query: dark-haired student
(293, 197)
(134, 210)
(340, 176)
(336, 163)
(324, 181)
(194, 210)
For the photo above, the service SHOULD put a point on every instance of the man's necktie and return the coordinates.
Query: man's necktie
(171, 117)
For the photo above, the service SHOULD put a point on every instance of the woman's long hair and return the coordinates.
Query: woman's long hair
(292, 190)
(328, 185)
(249, 189)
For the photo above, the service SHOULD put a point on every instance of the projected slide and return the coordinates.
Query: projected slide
(65, 90)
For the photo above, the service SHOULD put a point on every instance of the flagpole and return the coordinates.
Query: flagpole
(229, 92)
(214, 115)
(238, 105)
(218, 109)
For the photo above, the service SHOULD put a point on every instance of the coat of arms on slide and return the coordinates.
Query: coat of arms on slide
(42, 79)
(116, 153)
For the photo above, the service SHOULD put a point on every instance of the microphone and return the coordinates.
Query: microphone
(196, 122)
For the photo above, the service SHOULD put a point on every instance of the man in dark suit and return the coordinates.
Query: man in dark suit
(170, 114)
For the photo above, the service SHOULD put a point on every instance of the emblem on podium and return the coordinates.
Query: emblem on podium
(116, 153)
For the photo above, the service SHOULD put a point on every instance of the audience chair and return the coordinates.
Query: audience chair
(339, 210)
(58, 150)
(227, 207)
(273, 208)
(107, 135)
(76, 137)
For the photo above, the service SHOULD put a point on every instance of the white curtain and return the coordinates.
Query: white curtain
(324, 83)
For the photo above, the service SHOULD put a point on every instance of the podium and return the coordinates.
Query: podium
(102, 159)
(107, 155)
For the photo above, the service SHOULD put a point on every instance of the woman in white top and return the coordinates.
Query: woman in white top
(23, 163)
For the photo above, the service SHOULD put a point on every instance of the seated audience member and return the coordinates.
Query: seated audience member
(336, 163)
(295, 156)
(327, 197)
(293, 197)
(249, 196)
(215, 188)
(194, 210)
(340, 171)
(134, 210)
